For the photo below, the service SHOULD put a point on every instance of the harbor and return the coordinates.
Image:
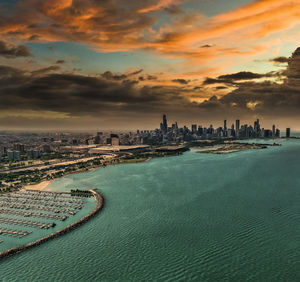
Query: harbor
(31, 217)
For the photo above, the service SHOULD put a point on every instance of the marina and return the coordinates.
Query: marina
(65, 229)
(30, 216)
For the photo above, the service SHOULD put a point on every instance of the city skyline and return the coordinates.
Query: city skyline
(75, 65)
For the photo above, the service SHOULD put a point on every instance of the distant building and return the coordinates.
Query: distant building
(3, 150)
(13, 155)
(164, 125)
(47, 149)
(194, 128)
(225, 128)
(115, 141)
(34, 154)
(288, 133)
(19, 147)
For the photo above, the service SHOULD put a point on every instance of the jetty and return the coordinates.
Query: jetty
(100, 202)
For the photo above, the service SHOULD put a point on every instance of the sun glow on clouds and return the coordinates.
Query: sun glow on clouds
(253, 105)
(157, 51)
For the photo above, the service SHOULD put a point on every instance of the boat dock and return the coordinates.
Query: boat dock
(16, 233)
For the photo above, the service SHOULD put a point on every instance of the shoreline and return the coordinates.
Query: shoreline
(100, 202)
(39, 186)
(45, 183)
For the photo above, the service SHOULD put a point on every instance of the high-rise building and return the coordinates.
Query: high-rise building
(34, 154)
(194, 128)
(19, 147)
(273, 131)
(237, 128)
(288, 133)
(13, 155)
(46, 148)
(225, 128)
(164, 124)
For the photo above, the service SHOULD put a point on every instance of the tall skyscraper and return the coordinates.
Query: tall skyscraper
(273, 131)
(288, 133)
(164, 124)
(237, 128)
(225, 128)
(194, 128)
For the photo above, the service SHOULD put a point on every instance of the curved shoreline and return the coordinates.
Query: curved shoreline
(100, 203)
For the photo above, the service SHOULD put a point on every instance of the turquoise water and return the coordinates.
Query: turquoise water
(199, 217)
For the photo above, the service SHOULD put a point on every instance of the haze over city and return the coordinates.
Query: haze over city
(88, 64)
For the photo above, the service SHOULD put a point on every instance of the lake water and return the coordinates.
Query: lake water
(199, 217)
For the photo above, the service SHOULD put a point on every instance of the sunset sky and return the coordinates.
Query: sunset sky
(116, 64)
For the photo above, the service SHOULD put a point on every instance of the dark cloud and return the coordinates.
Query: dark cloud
(280, 60)
(234, 77)
(60, 61)
(181, 81)
(210, 80)
(174, 10)
(147, 77)
(43, 71)
(79, 95)
(151, 77)
(34, 37)
(135, 72)
(243, 75)
(110, 76)
(206, 46)
(265, 98)
(10, 51)
(121, 96)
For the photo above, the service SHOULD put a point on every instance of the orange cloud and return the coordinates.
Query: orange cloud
(159, 5)
(111, 26)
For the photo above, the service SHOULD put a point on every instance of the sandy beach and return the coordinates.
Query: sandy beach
(40, 186)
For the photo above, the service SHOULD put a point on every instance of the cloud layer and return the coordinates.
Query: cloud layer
(70, 96)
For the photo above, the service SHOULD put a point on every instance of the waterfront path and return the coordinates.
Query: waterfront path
(100, 202)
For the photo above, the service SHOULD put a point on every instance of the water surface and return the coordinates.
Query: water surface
(199, 217)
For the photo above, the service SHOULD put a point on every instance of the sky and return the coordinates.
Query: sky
(116, 64)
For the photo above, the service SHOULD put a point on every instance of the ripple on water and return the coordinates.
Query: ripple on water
(192, 218)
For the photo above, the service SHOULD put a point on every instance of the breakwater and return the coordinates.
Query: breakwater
(99, 206)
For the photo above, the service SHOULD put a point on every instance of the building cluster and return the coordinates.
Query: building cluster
(15, 150)
(177, 134)
(26, 146)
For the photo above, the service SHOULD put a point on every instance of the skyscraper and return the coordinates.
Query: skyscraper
(225, 128)
(237, 128)
(288, 133)
(194, 128)
(164, 125)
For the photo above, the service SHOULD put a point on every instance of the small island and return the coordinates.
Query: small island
(227, 148)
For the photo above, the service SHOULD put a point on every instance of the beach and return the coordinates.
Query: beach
(40, 186)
